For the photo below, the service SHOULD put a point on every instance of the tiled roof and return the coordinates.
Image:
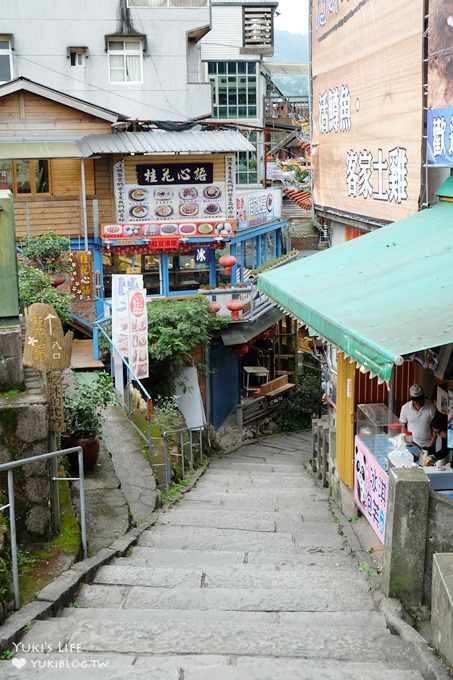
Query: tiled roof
(301, 198)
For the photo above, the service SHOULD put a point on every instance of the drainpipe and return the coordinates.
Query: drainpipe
(84, 203)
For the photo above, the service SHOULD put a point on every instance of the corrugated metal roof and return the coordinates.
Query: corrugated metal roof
(25, 150)
(159, 141)
(379, 297)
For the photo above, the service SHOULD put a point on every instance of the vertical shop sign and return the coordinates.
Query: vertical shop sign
(138, 333)
(119, 188)
(122, 285)
(230, 181)
(82, 274)
(370, 487)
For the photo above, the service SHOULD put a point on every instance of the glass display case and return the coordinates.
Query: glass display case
(376, 426)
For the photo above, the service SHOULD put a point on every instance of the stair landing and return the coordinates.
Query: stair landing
(82, 355)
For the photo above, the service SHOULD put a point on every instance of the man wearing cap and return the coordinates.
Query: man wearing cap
(416, 416)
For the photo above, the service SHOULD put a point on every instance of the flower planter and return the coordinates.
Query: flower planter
(90, 447)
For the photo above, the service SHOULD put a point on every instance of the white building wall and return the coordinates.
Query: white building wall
(171, 90)
(224, 40)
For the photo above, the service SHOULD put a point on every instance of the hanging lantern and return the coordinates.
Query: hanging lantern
(241, 350)
(227, 261)
(235, 306)
(215, 306)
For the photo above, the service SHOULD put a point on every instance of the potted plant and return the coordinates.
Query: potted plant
(84, 404)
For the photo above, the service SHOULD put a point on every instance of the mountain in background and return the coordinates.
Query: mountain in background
(291, 48)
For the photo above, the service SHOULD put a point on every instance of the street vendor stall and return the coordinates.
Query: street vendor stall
(374, 447)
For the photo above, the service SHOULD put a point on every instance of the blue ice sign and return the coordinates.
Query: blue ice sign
(203, 255)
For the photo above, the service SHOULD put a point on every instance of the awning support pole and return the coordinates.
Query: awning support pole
(84, 203)
(391, 397)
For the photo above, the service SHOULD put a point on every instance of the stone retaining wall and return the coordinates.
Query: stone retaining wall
(23, 433)
(439, 535)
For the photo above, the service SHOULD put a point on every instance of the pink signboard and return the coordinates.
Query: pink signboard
(370, 487)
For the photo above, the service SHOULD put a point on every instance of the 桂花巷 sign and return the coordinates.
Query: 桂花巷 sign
(46, 347)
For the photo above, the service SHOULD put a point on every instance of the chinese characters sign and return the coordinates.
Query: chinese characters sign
(370, 487)
(119, 188)
(122, 286)
(175, 173)
(81, 274)
(138, 333)
(367, 118)
(440, 86)
(255, 208)
(46, 347)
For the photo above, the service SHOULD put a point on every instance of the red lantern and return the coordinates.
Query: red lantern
(227, 261)
(241, 350)
(235, 306)
(215, 306)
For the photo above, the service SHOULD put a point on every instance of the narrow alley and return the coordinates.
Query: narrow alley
(247, 578)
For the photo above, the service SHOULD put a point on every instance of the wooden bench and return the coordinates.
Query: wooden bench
(274, 387)
(266, 400)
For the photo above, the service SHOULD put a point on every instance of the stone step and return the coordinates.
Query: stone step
(236, 468)
(129, 571)
(274, 502)
(304, 620)
(268, 481)
(205, 667)
(301, 670)
(239, 511)
(223, 637)
(181, 559)
(235, 519)
(226, 599)
(220, 519)
(236, 539)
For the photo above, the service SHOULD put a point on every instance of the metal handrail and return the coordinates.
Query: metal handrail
(181, 431)
(8, 468)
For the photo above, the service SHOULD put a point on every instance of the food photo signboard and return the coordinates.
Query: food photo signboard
(370, 488)
(138, 333)
(171, 200)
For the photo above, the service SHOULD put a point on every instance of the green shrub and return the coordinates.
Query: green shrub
(36, 286)
(304, 401)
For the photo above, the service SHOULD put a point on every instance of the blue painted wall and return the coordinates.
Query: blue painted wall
(224, 381)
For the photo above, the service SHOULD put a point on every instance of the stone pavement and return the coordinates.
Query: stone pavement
(249, 577)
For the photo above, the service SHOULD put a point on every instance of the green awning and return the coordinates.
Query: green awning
(44, 149)
(379, 297)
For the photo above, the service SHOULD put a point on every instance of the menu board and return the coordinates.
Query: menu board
(151, 230)
(178, 202)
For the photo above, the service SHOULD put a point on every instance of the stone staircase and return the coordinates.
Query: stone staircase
(248, 578)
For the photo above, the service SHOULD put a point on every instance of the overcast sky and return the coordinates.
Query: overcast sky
(293, 16)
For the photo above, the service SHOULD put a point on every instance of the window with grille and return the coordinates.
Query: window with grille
(258, 27)
(234, 88)
(247, 163)
(125, 60)
(6, 58)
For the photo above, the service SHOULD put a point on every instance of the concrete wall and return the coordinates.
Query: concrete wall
(439, 536)
(23, 433)
(43, 31)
